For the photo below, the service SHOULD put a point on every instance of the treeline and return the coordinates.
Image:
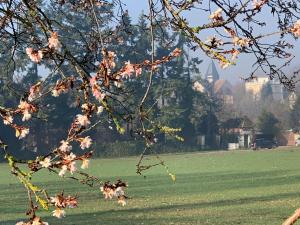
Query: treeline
(172, 102)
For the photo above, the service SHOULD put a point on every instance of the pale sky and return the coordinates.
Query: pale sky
(244, 62)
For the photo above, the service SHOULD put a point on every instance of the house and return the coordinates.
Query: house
(292, 98)
(246, 133)
(256, 85)
(214, 86)
(278, 90)
(223, 89)
(237, 132)
(287, 138)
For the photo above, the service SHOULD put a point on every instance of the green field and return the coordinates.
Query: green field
(243, 187)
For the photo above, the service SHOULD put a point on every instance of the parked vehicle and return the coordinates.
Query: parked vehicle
(264, 141)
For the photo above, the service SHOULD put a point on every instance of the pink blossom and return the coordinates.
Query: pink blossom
(71, 202)
(122, 201)
(26, 115)
(22, 132)
(214, 42)
(119, 191)
(65, 147)
(100, 109)
(234, 53)
(85, 106)
(296, 29)
(138, 71)
(60, 87)
(128, 70)
(53, 41)
(118, 84)
(85, 163)
(114, 190)
(230, 31)
(97, 93)
(224, 65)
(107, 192)
(93, 81)
(176, 52)
(85, 142)
(46, 162)
(59, 213)
(8, 119)
(96, 89)
(111, 54)
(72, 167)
(24, 105)
(69, 164)
(217, 15)
(26, 109)
(55, 93)
(83, 120)
(69, 158)
(61, 202)
(20, 223)
(257, 4)
(109, 62)
(34, 91)
(243, 42)
(37, 221)
(34, 55)
(56, 201)
(63, 170)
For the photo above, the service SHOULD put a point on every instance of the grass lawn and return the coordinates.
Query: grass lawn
(242, 187)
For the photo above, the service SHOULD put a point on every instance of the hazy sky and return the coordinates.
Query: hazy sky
(244, 62)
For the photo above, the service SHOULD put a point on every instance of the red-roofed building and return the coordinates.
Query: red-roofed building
(223, 89)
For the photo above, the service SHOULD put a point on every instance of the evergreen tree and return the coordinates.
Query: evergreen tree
(266, 92)
(267, 123)
(295, 115)
(203, 116)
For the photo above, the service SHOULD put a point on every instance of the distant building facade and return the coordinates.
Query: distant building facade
(292, 98)
(223, 89)
(256, 86)
(278, 91)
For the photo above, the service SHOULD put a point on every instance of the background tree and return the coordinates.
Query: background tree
(266, 92)
(268, 124)
(295, 115)
(204, 114)
(245, 104)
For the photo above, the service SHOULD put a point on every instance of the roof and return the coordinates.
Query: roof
(246, 123)
(221, 86)
(212, 72)
(239, 122)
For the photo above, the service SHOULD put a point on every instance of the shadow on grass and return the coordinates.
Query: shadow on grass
(161, 186)
(143, 215)
(203, 178)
